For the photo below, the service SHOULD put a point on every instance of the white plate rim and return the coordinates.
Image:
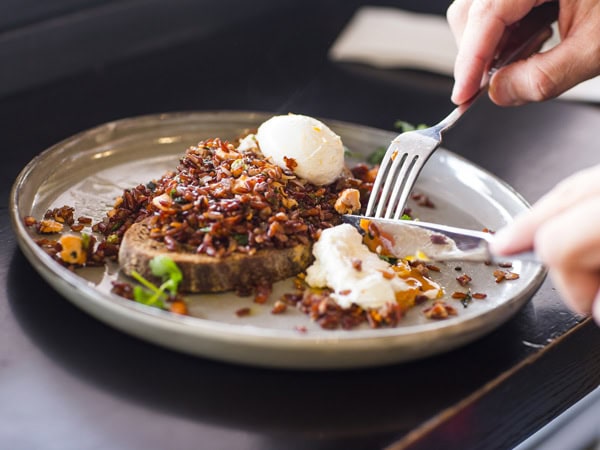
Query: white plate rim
(120, 312)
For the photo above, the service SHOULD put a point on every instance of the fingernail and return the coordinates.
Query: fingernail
(459, 84)
(458, 92)
(455, 93)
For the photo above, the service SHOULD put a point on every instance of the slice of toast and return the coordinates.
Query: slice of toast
(203, 273)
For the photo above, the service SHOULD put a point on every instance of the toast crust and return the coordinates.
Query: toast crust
(203, 273)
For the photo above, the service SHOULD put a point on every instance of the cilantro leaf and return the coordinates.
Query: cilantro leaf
(162, 266)
(148, 293)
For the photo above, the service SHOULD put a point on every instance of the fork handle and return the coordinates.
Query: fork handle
(520, 40)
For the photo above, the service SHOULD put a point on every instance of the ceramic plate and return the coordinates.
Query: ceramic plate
(89, 170)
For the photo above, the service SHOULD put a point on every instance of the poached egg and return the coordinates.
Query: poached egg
(304, 145)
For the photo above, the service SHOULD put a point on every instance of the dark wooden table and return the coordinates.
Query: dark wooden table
(68, 381)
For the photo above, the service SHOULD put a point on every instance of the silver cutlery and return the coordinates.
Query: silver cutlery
(434, 241)
(409, 151)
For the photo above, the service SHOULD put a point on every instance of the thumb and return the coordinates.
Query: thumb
(543, 75)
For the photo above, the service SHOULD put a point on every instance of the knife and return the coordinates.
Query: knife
(435, 241)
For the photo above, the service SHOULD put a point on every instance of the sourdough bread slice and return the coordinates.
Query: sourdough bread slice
(203, 273)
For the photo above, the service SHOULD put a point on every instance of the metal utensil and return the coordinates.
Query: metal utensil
(408, 152)
(435, 241)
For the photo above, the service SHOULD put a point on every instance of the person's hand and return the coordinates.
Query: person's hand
(564, 229)
(478, 26)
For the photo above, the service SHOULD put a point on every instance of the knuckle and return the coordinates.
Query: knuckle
(481, 8)
(454, 12)
(542, 84)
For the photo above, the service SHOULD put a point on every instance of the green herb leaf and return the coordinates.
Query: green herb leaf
(146, 297)
(148, 293)
(467, 300)
(164, 267)
(377, 156)
(350, 154)
(407, 126)
(389, 259)
(242, 239)
(117, 225)
(86, 239)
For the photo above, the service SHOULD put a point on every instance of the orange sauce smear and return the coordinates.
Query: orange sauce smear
(381, 243)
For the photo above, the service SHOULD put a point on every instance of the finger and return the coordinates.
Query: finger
(596, 309)
(519, 235)
(484, 28)
(544, 75)
(569, 245)
(547, 75)
(578, 289)
(456, 15)
(572, 238)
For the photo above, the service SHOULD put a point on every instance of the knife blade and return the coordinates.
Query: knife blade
(436, 241)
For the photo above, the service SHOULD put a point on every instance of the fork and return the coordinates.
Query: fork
(407, 154)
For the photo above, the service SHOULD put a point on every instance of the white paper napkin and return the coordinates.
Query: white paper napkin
(388, 38)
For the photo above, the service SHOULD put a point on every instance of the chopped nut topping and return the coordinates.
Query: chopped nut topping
(464, 279)
(439, 311)
(263, 291)
(290, 163)
(279, 307)
(357, 264)
(222, 201)
(502, 275)
(422, 200)
(242, 312)
(49, 226)
(348, 201)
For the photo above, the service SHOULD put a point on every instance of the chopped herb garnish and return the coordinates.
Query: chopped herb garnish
(85, 240)
(407, 126)
(350, 154)
(117, 225)
(467, 299)
(377, 156)
(241, 239)
(150, 294)
(389, 259)
(164, 267)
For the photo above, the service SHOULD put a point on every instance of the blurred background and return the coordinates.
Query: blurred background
(43, 41)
